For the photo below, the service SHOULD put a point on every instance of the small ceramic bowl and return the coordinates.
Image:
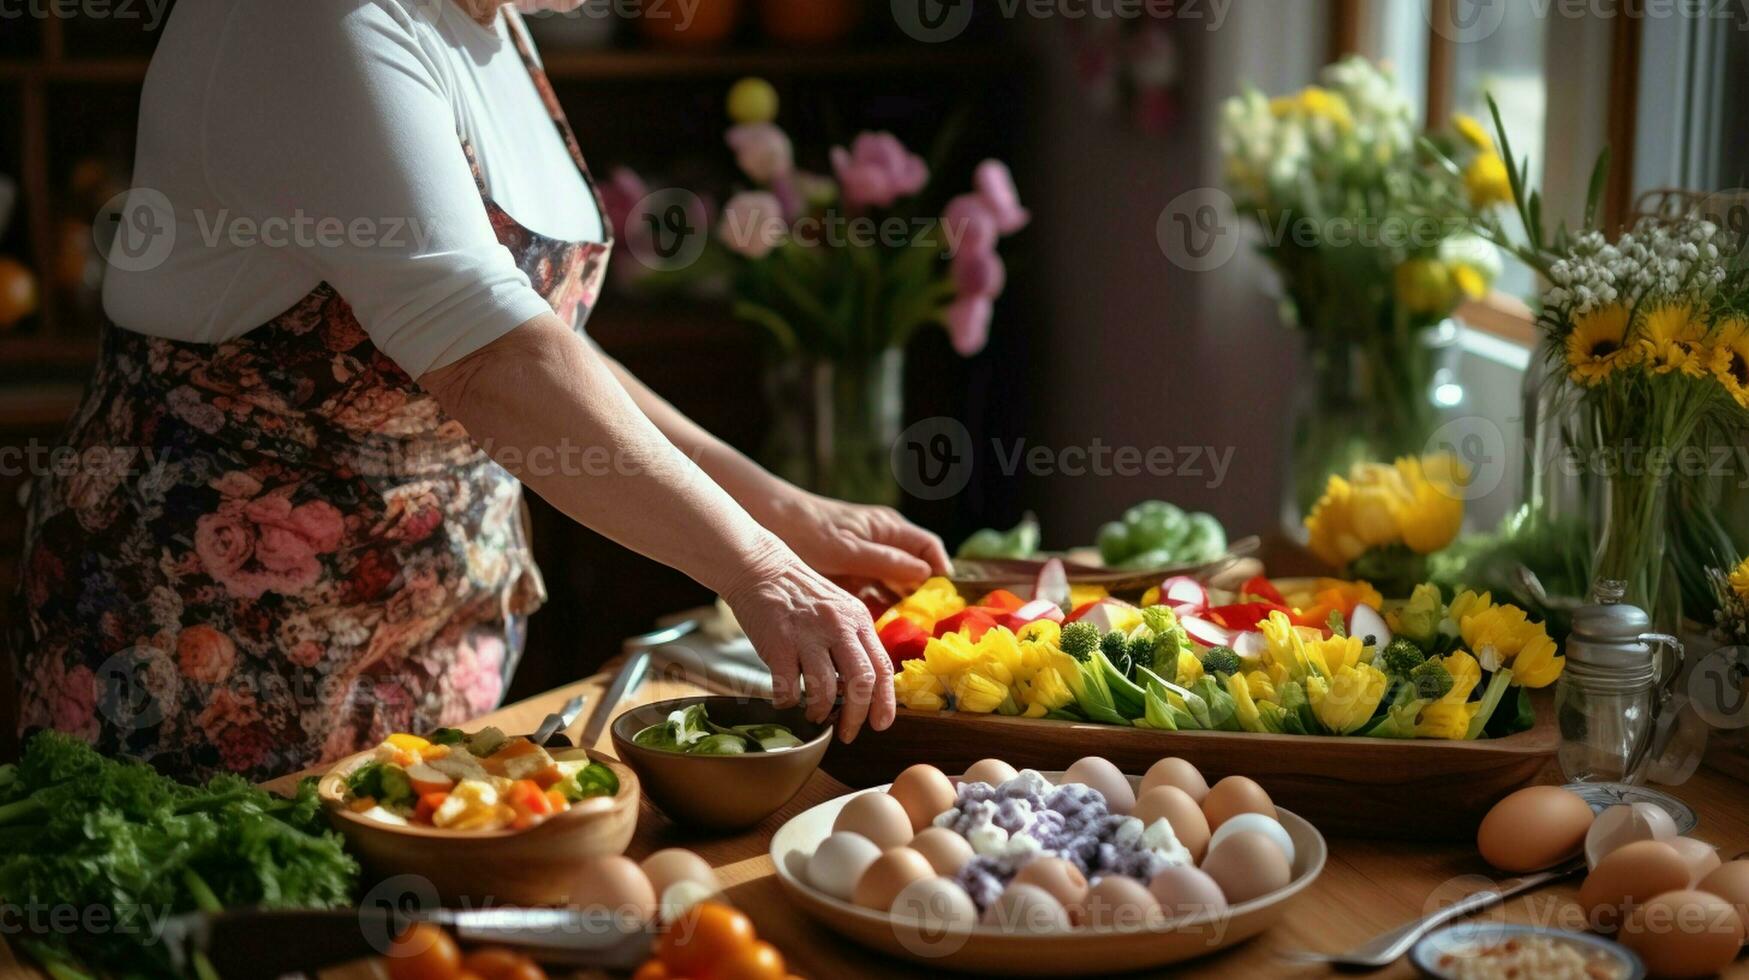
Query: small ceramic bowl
(722, 792)
(1429, 954)
(507, 867)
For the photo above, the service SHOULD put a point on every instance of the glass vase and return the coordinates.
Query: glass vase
(1630, 534)
(1366, 401)
(835, 422)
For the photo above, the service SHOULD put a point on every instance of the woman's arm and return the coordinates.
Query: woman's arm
(834, 537)
(544, 403)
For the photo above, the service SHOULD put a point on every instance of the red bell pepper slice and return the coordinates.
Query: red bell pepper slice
(972, 621)
(904, 640)
(1261, 587)
(1081, 610)
(1244, 615)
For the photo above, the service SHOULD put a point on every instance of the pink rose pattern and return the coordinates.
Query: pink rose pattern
(310, 555)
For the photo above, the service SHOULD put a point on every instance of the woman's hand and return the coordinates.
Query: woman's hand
(805, 627)
(845, 540)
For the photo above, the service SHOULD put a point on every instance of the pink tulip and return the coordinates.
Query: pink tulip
(996, 186)
(968, 225)
(968, 323)
(762, 150)
(620, 195)
(877, 170)
(979, 274)
(752, 224)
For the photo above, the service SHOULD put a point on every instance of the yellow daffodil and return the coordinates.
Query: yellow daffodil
(1433, 514)
(1487, 180)
(918, 689)
(1598, 345)
(1041, 631)
(1503, 636)
(1449, 717)
(977, 693)
(1730, 359)
(1415, 502)
(1282, 658)
(1345, 701)
(1244, 708)
(949, 655)
(1189, 669)
(1472, 132)
(1424, 286)
(1335, 652)
(1539, 663)
(1314, 102)
(933, 601)
(1260, 686)
(1674, 340)
(1740, 581)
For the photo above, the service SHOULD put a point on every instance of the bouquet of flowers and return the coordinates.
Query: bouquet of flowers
(1731, 625)
(1381, 521)
(1650, 335)
(1375, 238)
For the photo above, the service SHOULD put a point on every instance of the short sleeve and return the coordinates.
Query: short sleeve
(329, 134)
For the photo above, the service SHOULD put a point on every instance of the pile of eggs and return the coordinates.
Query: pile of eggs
(1205, 848)
(1667, 897)
(658, 889)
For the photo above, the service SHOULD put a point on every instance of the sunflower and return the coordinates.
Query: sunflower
(1730, 362)
(1487, 180)
(1472, 132)
(1675, 337)
(1598, 346)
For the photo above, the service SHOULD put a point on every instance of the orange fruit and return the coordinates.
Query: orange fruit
(706, 935)
(423, 952)
(18, 295)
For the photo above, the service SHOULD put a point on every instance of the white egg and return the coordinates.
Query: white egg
(1107, 779)
(1623, 824)
(682, 895)
(936, 903)
(1027, 909)
(839, 861)
(1258, 823)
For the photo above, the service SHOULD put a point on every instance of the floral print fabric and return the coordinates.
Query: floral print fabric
(277, 550)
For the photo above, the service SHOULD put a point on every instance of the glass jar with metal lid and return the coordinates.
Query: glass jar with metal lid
(1616, 680)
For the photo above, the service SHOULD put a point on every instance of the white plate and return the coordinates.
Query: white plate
(988, 949)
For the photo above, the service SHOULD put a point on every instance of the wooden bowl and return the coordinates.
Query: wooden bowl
(722, 792)
(1078, 952)
(491, 867)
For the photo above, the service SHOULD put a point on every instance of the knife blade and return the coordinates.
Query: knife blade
(630, 676)
(277, 942)
(557, 722)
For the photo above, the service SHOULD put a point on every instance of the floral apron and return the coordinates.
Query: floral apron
(279, 549)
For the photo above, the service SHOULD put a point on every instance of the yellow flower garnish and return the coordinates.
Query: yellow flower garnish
(1730, 358)
(1598, 345)
(1450, 716)
(1314, 102)
(1415, 502)
(1674, 340)
(1740, 580)
(933, 601)
(1346, 700)
(1487, 180)
(1503, 636)
(1472, 132)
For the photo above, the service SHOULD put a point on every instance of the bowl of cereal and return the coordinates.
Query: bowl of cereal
(1488, 950)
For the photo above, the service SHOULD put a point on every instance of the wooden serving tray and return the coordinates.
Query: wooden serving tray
(1422, 789)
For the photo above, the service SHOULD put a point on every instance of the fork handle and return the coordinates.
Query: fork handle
(1394, 944)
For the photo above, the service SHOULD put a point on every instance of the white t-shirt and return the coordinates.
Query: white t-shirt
(306, 141)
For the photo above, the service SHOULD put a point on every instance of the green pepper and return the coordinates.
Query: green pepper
(1020, 541)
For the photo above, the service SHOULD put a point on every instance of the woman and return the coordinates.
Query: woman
(385, 242)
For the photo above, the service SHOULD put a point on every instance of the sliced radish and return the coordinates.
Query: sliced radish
(1183, 592)
(1039, 609)
(1251, 645)
(1052, 584)
(1366, 622)
(1206, 633)
(1109, 614)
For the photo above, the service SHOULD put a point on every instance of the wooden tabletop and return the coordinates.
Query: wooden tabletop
(1367, 887)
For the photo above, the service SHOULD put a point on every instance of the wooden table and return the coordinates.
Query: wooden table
(1366, 888)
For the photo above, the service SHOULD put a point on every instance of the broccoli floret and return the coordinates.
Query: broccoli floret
(1221, 660)
(1432, 681)
(1079, 640)
(1141, 650)
(1400, 657)
(1114, 645)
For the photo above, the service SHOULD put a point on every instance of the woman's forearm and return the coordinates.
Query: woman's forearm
(547, 405)
(748, 482)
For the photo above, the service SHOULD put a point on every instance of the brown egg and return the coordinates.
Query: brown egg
(876, 816)
(617, 885)
(1627, 876)
(1535, 828)
(923, 791)
(1107, 779)
(1186, 893)
(992, 771)
(1173, 771)
(1058, 878)
(1247, 865)
(676, 864)
(888, 876)
(947, 851)
(1702, 858)
(1118, 902)
(1730, 881)
(1234, 795)
(1177, 808)
(1684, 934)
